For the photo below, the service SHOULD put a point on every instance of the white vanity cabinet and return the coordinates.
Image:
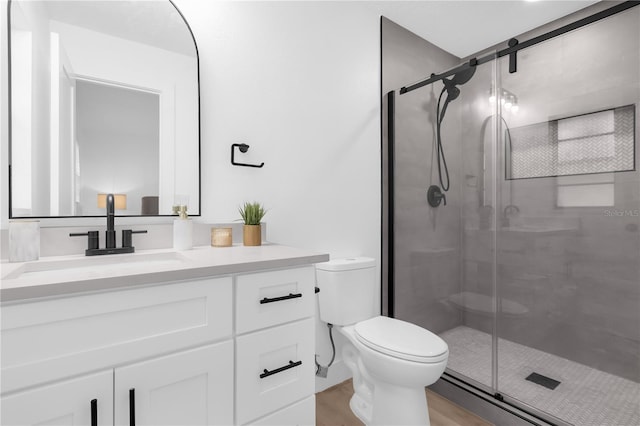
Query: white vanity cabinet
(138, 339)
(187, 388)
(223, 346)
(275, 346)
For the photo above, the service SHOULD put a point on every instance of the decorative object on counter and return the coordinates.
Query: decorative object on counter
(252, 214)
(243, 148)
(24, 240)
(182, 229)
(221, 237)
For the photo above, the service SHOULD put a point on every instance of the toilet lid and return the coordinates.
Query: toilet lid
(401, 339)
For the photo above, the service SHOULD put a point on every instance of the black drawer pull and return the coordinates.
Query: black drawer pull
(94, 412)
(291, 364)
(132, 407)
(277, 299)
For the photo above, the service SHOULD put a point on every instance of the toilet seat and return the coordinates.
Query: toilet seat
(401, 339)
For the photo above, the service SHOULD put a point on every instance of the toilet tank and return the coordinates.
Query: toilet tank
(348, 290)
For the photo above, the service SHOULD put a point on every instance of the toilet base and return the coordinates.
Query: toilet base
(397, 405)
(392, 405)
(361, 408)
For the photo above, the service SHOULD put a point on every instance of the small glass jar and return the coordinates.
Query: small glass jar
(24, 240)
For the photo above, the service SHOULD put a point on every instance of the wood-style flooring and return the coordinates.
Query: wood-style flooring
(332, 409)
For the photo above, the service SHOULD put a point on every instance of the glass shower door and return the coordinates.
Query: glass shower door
(568, 220)
(444, 268)
(471, 342)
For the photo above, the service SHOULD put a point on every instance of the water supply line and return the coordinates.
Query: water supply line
(322, 370)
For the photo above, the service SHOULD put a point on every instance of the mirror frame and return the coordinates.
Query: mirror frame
(10, 118)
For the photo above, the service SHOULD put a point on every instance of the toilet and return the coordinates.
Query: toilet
(391, 360)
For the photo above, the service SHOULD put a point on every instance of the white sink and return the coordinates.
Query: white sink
(114, 264)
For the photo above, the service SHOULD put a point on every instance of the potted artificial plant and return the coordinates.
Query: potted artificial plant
(252, 214)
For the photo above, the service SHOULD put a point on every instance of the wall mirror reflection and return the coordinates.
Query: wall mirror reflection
(104, 98)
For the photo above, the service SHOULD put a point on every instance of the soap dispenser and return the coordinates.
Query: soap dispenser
(182, 229)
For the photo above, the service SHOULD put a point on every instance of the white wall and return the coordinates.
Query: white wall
(300, 83)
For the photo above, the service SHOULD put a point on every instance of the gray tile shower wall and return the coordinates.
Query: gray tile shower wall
(426, 239)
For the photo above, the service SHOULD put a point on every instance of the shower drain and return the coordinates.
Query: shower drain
(541, 380)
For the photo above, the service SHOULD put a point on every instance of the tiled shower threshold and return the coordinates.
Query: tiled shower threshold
(585, 396)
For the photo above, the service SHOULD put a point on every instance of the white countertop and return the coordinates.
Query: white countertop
(65, 275)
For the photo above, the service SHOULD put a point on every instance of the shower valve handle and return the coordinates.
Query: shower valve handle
(435, 196)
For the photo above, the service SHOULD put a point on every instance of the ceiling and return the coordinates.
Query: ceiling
(467, 27)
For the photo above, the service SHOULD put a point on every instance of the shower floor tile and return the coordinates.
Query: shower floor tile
(585, 396)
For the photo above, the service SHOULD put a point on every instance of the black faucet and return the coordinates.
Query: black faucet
(110, 235)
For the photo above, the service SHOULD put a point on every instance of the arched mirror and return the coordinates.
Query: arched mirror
(104, 98)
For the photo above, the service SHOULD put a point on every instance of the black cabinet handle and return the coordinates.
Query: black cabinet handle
(94, 412)
(277, 299)
(291, 364)
(132, 407)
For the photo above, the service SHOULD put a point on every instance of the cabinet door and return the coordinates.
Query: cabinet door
(62, 403)
(188, 388)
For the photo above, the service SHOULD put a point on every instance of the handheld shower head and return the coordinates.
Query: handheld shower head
(459, 78)
(452, 91)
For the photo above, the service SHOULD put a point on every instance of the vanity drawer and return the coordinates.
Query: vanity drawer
(51, 339)
(270, 298)
(286, 352)
(299, 414)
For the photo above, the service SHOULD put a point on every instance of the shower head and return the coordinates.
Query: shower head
(463, 76)
(458, 78)
(452, 91)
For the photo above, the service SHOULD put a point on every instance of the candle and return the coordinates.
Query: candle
(221, 237)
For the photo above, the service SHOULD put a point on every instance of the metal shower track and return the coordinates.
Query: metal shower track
(515, 45)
